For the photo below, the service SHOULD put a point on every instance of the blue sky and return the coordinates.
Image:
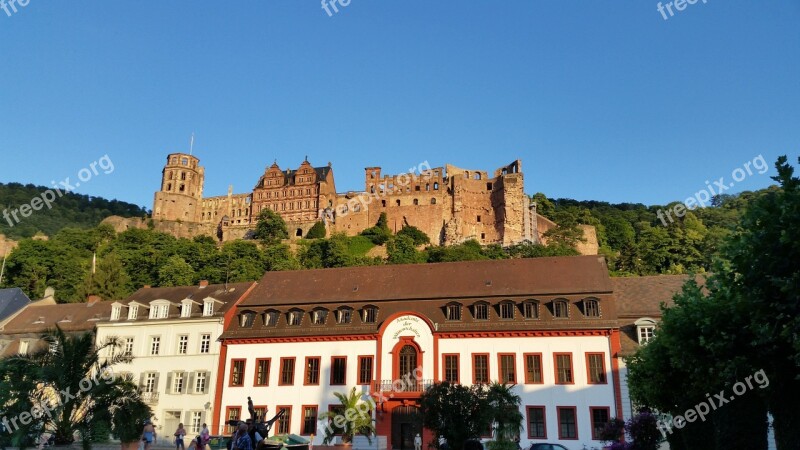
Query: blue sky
(601, 100)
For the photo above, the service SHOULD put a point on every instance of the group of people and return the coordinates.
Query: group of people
(149, 436)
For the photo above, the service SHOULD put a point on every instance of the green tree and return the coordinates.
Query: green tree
(416, 235)
(353, 417)
(504, 405)
(456, 412)
(317, 231)
(380, 233)
(401, 250)
(175, 272)
(65, 364)
(468, 251)
(270, 227)
(110, 281)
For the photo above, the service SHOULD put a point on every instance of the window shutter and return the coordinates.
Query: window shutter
(155, 382)
(202, 419)
(141, 380)
(187, 420)
(185, 387)
(208, 382)
(168, 390)
(190, 385)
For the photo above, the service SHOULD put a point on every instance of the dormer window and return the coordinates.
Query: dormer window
(159, 310)
(294, 318)
(530, 309)
(370, 314)
(560, 309)
(247, 318)
(481, 311)
(591, 307)
(344, 315)
(645, 330)
(507, 310)
(186, 309)
(452, 311)
(133, 312)
(116, 312)
(271, 318)
(208, 308)
(318, 316)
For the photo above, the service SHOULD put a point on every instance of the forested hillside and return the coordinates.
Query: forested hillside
(71, 210)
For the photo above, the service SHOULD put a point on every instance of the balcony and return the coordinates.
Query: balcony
(151, 398)
(391, 388)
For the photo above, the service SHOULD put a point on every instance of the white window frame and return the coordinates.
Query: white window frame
(128, 348)
(183, 344)
(155, 345)
(645, 330)
(116, 312)
(208, 308)
(133, 312)
(205, 343)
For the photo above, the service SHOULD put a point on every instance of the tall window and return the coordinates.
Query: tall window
(600, 417)
(271, 318)
(128, 349)
(150, 382)
(407, 362)
(481, 311)
(116, 311)
(508, 368)
(451, 368)
(453, 312)
(312, 370)
(208, 308)
(287, 372)
(284, 423)
(183, 344)
(480, 369)
(155, 345)
(507, 310)
(262, 372)
(295, 317)
(561, 309)
(338, 370)
(237, 372)
(186, 310)
(177, 382)
(309, 420)
(197, 420)
(247, 319)
(595, 363)
(205, 343)
(200, 382)
(133, 312)
(537, 427)
(364, 369)
(531, 309)
(564, 368)
(567, 422)
(533, 368)
(234, 413)
(343, 315)
(318, 316)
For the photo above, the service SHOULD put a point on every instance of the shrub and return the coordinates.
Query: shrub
(317, 231)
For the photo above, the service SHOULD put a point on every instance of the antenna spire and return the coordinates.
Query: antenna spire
(191, 144)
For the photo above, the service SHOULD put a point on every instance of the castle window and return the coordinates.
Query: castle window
(433, 201)
(183, 175)
(183, 188)
(560, 309)
(185, 161)
(398, 202)
(477, 176)
(452, 311)
(372, 189)
(479, 219)
(416, 188)
(169, 186)
(383, 203)
(416, 202)
(488, 186)
(171, 175)
(427, 186)
(436, 186)
(483, 236)
(299, 232)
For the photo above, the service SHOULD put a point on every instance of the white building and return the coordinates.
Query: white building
(549, 325)
(172, 335)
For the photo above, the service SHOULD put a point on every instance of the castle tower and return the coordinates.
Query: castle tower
(181, 193)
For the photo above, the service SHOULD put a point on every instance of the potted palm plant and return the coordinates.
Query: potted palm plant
(353, 417)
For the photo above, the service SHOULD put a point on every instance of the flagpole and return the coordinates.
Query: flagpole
(3, 269)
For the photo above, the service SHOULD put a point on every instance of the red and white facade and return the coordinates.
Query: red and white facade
(548, 326)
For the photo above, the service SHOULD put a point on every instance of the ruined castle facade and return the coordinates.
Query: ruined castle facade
(449, 204)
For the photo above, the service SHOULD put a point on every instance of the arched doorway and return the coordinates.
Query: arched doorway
(407, 366)
(406, 423)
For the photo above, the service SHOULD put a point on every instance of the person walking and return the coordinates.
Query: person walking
(179, 434)
(148, 435)
(417, 442)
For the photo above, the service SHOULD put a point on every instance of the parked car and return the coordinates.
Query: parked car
(548, 447)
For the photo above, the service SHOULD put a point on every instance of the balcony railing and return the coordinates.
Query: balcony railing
(150, 398)
(401, 385)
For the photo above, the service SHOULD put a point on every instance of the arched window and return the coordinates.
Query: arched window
(246, 319)
(645, 330)
(452, 311)
(271, 318)
(398, 202)
(433, 201)
(481, 311)
(318, 316)
(506, 310)
(344, 315)
(591, 307)
(294, 318)
(369, 314)
(416, 202)
(530, 309)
